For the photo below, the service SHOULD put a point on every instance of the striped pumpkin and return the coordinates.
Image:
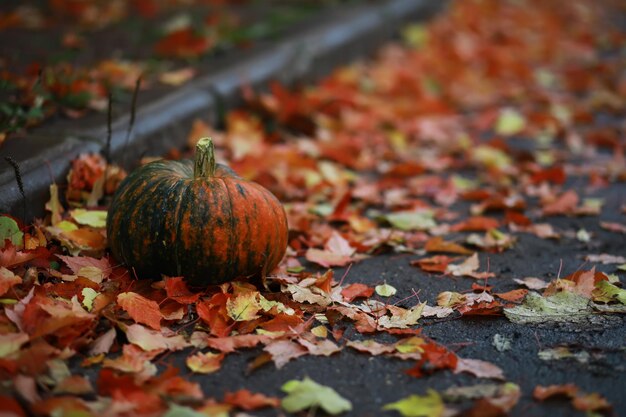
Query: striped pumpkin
(196, 219)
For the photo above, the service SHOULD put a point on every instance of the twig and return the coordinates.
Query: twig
(20, 184)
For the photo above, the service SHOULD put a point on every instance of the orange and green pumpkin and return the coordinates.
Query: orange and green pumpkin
(196, 219)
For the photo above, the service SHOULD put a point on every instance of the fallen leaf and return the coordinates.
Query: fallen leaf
(93, 218)
(510, 122)
(140, 309)
(356, 290)
(153, 340)
(479, 368)
(8, 280)
(282, 351)
(429, 405)
(437, 244)
(412, 220)
(385, 290)
(306, 394)
(205, 363)
(247, 400)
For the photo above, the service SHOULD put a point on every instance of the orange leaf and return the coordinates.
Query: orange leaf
(475, 224)
(356, 290)
(247, 400)
(541, 393)
(513, 296)
(141, 309)
(437, 244)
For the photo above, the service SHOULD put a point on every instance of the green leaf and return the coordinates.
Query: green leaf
(307, 393)
(385, 290)
(10, 230)
(606, 292)
(93, 218)
(415, 35)
(412, 220)
(560, 307)
(429, 405)
(89, 294)
(509, 122)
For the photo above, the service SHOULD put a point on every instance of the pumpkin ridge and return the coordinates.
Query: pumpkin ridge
(176, 216)
(232, 241)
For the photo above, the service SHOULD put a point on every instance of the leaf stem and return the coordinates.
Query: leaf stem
(204, 166)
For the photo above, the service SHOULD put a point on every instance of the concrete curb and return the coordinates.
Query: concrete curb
(304, 55)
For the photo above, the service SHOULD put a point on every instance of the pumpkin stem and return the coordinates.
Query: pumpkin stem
(204, 166)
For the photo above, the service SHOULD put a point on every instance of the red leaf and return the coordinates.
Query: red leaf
(183, 43)
(434, 357)
(356, 290)
(141, 309)
(177, 290)
(564, 204)
(438, 263)
(247, 400)
(475, 224)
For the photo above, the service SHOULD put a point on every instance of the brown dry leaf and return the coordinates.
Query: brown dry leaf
(282, 351)
(7, 280)
(148, 339)
(437, 244)
(469, 268)
(479, 368)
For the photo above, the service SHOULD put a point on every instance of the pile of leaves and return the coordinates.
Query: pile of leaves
(472, 132)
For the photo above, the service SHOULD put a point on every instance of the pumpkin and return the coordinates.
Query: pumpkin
(196, 219)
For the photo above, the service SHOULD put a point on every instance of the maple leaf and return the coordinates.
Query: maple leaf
(7, 280)
(231, 343)
(532, 283)
(364, 323)
(356, 290)
(564, 204)
(337, 252)
(434, 357)
(140, 309)
(468, 268)
(305, 394)
(401, 318)
(479, 368)
(429, 405)
(133, 360)
(244, 306)
(437, 244)
(412, 220)
(312, 295)
(177, 290)
(103, 343)
(438, 263)
(95, 270)
(319, 347)
(205, 363)
(371, 346)
(282, 351)
(153, 340)
(247, 400)
(11, 343)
